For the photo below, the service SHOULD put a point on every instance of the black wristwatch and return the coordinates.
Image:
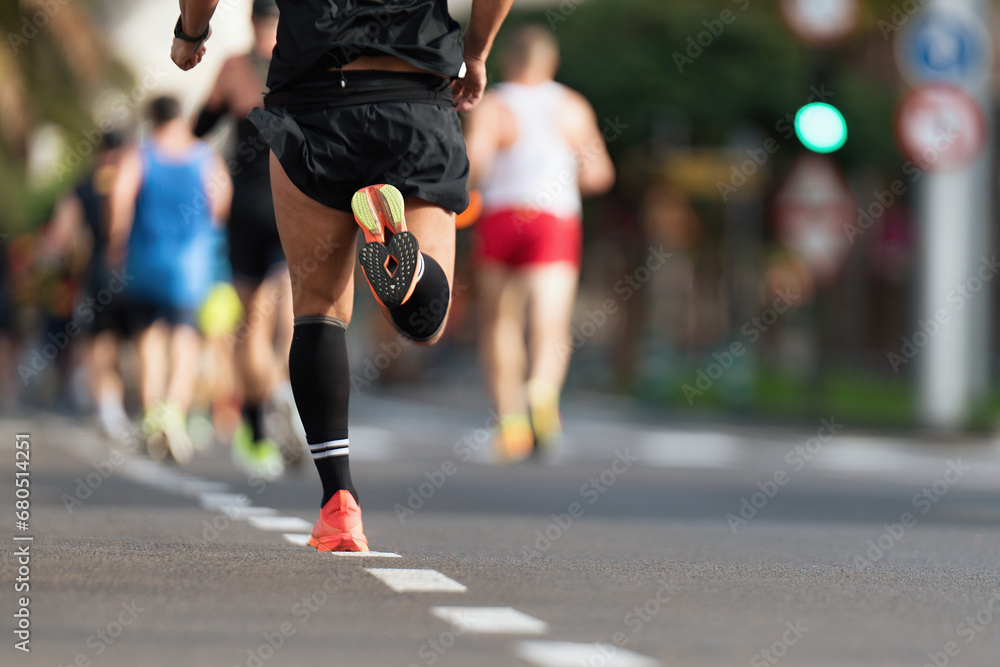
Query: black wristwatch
(179, 34)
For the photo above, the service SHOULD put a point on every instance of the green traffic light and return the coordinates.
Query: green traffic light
(820, 127)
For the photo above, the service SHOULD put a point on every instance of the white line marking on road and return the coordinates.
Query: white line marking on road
(570, 654)
(282, 524)
(218, 501)
(214, 501)
(302, 540)
(413, 580)
(492, 620)
(192, 487)
(677, 449)
(859, 454)
(146, 467)
(234, 505)
(157, 476)
(244, 513)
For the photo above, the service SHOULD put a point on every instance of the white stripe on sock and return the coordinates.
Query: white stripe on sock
(343, 451)
(320, 446)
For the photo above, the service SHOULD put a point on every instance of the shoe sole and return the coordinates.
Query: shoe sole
(546, 423)
(156, 447)
(505, 453)
(377, 208)
(338, 543)
(395, 288)
(180, 446)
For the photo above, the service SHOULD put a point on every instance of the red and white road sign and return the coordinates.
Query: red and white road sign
(940, 126)
(811, 208)
(821, 21)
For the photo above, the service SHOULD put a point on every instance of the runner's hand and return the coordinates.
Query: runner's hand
(467, 91)
(187, 54)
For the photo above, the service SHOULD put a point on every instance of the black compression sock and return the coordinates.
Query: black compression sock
(253, 415)
(423, 314)
(319, 375)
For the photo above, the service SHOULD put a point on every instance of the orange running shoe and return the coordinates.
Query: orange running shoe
(390, 258)
(513, 440)
(339, 525)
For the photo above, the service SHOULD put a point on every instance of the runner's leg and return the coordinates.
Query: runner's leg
(503, 306)
(185, 347)
(151, 345)
(552, 289)
(423, 316)
(319, 244)
(552, 294)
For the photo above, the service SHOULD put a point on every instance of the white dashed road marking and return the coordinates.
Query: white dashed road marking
(302, 540)
(158, 476)
(299, 539)
(282, 524)
(216, 501)
(419, 581)
(497, 620)
(676, 449)
(235, 505)
(570, 654)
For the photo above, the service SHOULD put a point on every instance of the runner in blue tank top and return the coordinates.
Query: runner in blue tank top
(170, 249)
(169, 194)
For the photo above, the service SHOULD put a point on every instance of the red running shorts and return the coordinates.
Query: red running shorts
(518, 237)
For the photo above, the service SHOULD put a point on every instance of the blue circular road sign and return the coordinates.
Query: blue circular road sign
(945, 46)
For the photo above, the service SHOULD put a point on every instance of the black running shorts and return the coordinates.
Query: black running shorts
(254, 253)
(254, 246)
(380, 127)
(142, 313)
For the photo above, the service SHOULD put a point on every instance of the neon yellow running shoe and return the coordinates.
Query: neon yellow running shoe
(261, 458)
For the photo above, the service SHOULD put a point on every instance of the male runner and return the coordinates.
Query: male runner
(168, 194)
(535, 147)
(360, 116)
(260, 274)
(83, 211)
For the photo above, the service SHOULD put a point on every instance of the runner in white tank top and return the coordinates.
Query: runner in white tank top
(540, 169)
(534, 148)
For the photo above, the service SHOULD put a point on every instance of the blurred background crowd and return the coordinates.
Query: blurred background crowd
(731, 270)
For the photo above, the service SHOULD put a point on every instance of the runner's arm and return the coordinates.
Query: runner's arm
(219, 189)
(195, 15)
(121, 205)
(483, 129)
(217, 104)
(62, 229)
(487, 16)
(597, 172)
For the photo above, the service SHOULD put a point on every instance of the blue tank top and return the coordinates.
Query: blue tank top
(171, 247)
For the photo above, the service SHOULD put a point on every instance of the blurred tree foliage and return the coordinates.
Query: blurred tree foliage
(53, 65)
(648, 61)
(639, 61)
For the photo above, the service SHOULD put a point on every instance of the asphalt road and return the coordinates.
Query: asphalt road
(640, 544)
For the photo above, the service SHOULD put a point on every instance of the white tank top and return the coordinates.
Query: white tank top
(540, 169)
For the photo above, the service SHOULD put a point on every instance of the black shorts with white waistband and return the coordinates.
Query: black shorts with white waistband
(378, 127)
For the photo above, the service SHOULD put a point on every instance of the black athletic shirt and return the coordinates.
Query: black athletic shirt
(92, 192)
(320, 34)
(251, 173)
